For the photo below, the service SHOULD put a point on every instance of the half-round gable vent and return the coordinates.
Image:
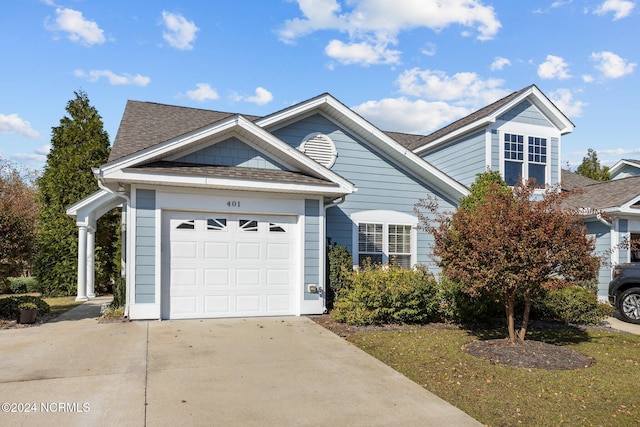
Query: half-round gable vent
(320, 148)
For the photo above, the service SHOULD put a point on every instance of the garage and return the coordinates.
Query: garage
(228, 265)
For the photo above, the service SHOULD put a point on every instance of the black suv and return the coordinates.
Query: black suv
(624, 291)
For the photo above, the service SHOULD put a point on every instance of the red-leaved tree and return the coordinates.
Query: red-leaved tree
(512, 243)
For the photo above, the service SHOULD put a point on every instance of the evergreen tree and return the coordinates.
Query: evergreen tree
(590, 167)
(78, 144)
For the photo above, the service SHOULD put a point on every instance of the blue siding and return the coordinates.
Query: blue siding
(231, 152)
(602, 233)
(462, 159)
(381, 185)
(525, 112)
(311, 247)
(145, 266)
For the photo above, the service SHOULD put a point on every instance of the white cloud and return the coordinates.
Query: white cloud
(261, 97)
(13, 124)
(429, 49)
(465, 89)
(203, 93)
(404, 115)
(499, 63)
(39, 156)
(78, 29)
(179, 32)
(587, 78)
(611, 65)
(361, 53)
(554, 68)
(563, 99)
(619, 8)
(373, 25)
(113, 78)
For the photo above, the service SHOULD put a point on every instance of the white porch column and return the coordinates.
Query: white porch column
(91, 270)
(82, 263)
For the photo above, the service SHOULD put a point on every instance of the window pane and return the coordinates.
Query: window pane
(512, 172)
(217, 224)
(403, 261)
(537, 172)
(248, 225)
(373, 258)
(370, 238)
(187, 225)
(399, 239)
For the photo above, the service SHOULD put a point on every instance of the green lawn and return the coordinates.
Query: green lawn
(605, 394)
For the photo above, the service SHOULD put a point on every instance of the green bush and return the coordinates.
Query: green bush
(459, 307)
(572, 305)
(380, 294)
(339, 263)
(23, 285)
(9, 306)
(119, 293)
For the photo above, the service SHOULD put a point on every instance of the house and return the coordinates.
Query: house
(625, 168)
(228, 215)
(611, 212)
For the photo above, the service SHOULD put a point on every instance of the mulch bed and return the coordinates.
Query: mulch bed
(530, 354)
(12, 324)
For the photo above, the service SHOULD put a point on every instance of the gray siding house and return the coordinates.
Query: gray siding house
(229, 215)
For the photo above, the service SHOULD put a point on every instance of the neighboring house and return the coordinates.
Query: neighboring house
(229, 215)
(625, 168)
(612, 215)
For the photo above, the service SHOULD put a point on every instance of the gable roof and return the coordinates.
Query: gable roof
(571, 181)
(622, 163)
(613, 196)
(489, 114)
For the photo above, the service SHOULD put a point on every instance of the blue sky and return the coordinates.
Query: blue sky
(406, 65)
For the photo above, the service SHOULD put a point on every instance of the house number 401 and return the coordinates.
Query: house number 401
(233, 203)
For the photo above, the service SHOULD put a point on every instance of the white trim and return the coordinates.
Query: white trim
(385, 218)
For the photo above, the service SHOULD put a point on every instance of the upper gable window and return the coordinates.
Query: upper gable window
(518, 166)
(320, 148)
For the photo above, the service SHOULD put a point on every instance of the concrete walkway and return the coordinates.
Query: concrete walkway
(285, 371)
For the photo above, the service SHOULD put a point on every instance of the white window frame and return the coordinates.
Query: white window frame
(528, 131)
(385, 218)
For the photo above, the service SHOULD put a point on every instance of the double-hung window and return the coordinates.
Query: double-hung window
(518, 166)
(381, 243)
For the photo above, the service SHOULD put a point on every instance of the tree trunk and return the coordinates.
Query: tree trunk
(510, 309)
(525, 316)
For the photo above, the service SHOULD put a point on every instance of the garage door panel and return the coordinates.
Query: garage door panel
(225, 265)
(278, 278)
(278, 251)
(216, 277)
(184, 277)
(248, 251)
(217, 305)
(184, 305)
(248, 304)
(217, 250)
(184, 250)
(247, 277)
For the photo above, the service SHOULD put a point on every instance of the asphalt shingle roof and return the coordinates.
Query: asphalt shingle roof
(231, 172)
(570, 181)
(604, 195)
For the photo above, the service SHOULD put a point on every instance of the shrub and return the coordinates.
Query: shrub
(572, 305)
(9, 306)
(119, 293)
(459, 307)
(339, 263)
(23, 285)
(380, 294)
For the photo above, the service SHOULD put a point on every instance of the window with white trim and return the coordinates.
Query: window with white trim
(382, 243)
(518, 166)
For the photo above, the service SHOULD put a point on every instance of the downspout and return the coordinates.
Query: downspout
(125, 241)
(334, 202)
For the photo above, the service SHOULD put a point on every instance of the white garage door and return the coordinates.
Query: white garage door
(222, 265)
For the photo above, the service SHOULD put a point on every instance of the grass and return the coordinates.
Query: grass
(499, 395)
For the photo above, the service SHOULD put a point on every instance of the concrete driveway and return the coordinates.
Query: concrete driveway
(284, 371)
